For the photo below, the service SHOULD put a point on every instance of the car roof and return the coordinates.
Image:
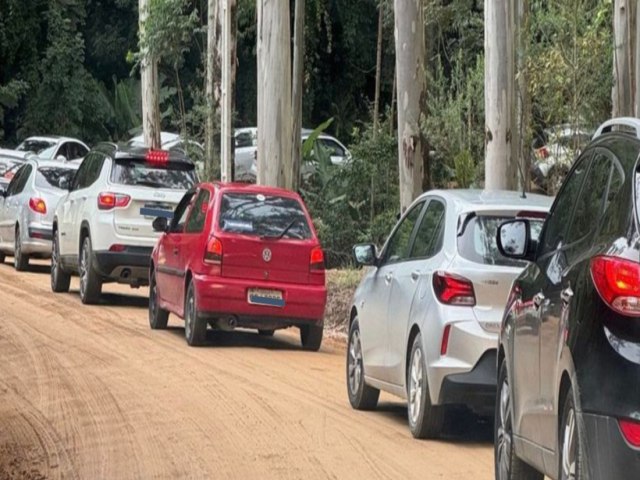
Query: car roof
(14, 154)
(236, 187)
(476, 199)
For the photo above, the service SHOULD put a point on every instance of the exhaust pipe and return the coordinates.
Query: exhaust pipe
(227, 324)
(126, 273)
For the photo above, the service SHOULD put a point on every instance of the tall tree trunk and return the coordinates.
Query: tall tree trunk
(410, 52)
(274, 94)
(622, 94)
(212, 88)
(523, 99)
(298, 87)
(228, 65)
(499, 78)
(636, 90)
(376, 98)
(150, 89)
(234, 76)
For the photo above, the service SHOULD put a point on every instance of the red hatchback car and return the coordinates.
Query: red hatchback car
(237, 255)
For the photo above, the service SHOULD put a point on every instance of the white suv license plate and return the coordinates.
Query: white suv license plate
(271, 298)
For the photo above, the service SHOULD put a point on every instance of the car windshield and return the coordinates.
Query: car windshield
(56, 177)
(37, 146)
(263, 215)
(174, 175)
(478, 240)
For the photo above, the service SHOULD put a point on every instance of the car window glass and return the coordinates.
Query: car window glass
(16, 181)
(332, 148)
(76, 150)
(181, 213)
(24, 178)
(95, 169)
(560, 217)
(430, 232)
(80, 179)
(398, 247)
(591, 202)
(195, 224)
(63, 151)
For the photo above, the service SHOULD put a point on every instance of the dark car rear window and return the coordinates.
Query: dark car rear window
(478, 241)
(175, 175)
(54, 177)
(263, 215)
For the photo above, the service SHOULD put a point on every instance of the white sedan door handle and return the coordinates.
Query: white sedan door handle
(388, 277)
(415, 275)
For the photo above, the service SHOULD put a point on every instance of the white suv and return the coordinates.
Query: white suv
(102, 228)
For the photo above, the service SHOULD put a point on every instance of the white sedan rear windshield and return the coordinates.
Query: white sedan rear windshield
(477, 239)
(263, 215)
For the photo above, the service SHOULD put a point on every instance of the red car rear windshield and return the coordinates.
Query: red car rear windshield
(264, 216)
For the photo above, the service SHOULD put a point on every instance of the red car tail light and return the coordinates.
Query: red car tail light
(631, 431)
(213, 254)
(618, 283)
(453, 289)
(316, 260)
(117, 247)
(542, 152)
(445, 340)
(108, 200)
(38, 205)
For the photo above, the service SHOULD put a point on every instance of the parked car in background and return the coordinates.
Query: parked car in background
(27, 206)
(552, 161)
(245, 150)
(425, 319)
(324, 145)
(175, 143)
(53, 147)
(10, 160)
(239, 255)
(102, 226)
(569, 354)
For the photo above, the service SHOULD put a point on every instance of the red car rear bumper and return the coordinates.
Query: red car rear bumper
(216, 296)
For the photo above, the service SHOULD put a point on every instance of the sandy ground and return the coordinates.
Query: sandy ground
(93, 393)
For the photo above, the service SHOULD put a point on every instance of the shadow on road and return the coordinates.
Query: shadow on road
(37, 268)
(119, 300)
(240, 338)
(461, 425)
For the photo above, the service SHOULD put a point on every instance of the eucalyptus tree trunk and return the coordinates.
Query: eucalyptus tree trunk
(228, 68)
(523, 99)
(637, 64)
(411, 85)
(298, 87)
(274, 94)
(150, 89)
(499, 79)
(212, 87)
(622, 95)
(376, 98)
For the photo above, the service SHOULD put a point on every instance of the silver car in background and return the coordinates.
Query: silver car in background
(425, 319)
(27, 207)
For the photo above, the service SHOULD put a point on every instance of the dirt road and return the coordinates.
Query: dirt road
(93, 393)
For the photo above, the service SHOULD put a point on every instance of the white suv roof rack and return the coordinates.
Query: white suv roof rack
(629, 125)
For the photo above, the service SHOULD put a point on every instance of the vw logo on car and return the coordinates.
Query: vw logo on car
(266, 255)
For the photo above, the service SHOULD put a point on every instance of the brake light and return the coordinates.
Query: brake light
(158, 157)
(618, 283)
(630, 431)
(453, 289)
(213, 254)
(542, 152)
(38, 205)
(316, 259)
(445, 340)
(528, 214)
(108, 200)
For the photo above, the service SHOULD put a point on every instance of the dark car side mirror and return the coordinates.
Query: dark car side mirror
(160, 224)
(514, 239)
(365, 254)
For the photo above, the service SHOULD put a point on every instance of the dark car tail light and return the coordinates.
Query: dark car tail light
(108, 200)
(618, 283)
(453, 289)
(631, 431)
(213, 253)
(316, 260)
(38, 205)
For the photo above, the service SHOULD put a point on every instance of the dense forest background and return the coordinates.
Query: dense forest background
(69, 67)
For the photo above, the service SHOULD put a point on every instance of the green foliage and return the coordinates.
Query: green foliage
(9, 96)
(358, 201)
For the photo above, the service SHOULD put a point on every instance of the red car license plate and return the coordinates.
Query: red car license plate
(271, 298)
